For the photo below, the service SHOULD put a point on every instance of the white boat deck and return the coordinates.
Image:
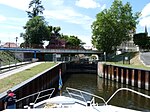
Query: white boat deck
(67, 104)
(70, 104)
(107, 108)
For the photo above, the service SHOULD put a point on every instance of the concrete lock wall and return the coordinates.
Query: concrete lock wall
(45, 80)
(134, 77)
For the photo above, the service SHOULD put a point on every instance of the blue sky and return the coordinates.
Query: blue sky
(73, 16)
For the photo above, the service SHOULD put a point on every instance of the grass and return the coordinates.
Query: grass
(17, 78)
(6, 58)
(130, 65)
(134, 61)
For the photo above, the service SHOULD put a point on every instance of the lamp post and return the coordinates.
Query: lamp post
(105, 56)
(16, 50)
(16, 41)
(0, 64)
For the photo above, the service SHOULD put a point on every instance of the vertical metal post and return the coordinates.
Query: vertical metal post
(16, 50)
(15, 59)
(0, 65)
(54, 58)
(34, 54)
(16, 41)
(9, 63)
(105, 56)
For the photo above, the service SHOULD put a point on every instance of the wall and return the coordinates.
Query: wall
(134, 77)
(45, 80)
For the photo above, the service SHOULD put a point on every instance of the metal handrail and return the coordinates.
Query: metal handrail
(127, 89)
(38, 95)
(105, 102)
(81, 94)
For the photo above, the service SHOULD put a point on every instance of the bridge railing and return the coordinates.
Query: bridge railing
(51, 50)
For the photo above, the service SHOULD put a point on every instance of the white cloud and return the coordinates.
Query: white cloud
(87, 4)
(103, 7)
(24, 4)
(2, 18)
(145, 17)
(9, 37)
(59, 12)
(69, 15)
(56, 9)
(11, 27)
(145, 21)
(146, 10)
(56, 2)
(12, 23)
(18, 4)
(84, 38)
(17, 20)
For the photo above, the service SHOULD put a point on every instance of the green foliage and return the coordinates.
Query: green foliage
(36, 31)
(37, 8)
(55, 31)
(7, 57)
(113, 26)
(119, 58)
(73, 41)
(142, 40)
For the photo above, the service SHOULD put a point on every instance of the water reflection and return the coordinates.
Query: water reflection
(105, 88)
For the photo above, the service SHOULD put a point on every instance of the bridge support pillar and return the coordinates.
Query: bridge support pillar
(34, 54)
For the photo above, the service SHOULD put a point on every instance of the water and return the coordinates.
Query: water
(105, 88)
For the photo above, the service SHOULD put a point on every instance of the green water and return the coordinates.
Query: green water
(105, 88)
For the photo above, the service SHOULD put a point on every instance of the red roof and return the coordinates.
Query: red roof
(10, 45)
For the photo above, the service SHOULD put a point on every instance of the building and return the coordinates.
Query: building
(130, 46)
(56, 44)
(10, 45)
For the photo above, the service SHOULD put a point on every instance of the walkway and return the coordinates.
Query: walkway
(18, 69)
(145, 58)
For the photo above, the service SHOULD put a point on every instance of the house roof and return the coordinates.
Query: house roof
(10, 45)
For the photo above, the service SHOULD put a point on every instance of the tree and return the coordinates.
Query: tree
(113, 26)
(37, 8)
(54, 32)
(73, 41)
(142, 40)
(36, 31)
(36, 28)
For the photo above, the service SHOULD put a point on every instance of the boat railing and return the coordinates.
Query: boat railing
(81, 94)
(126, 89)
(39, 95)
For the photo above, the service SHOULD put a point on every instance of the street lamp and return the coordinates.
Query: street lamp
(105, 56)
(16, 41)
(16, 50)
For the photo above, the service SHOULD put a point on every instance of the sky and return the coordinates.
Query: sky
(75, 17)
